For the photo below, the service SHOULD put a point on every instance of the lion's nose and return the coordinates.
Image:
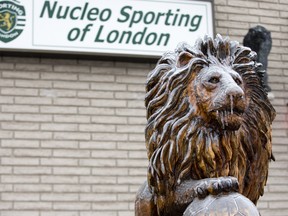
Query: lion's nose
(235, 92)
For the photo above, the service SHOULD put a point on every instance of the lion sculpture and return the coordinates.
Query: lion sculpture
(259, 40)
(208, 127)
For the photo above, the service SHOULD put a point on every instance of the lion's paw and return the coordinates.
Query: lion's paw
(216, 186)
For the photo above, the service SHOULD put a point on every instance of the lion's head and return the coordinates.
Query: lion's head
(218, 93)
(204, 106)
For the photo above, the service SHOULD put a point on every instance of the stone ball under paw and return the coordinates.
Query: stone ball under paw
(222, 205)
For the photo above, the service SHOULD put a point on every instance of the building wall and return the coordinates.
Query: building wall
(72, 131)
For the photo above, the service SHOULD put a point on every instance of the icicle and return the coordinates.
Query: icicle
(222, 119)
(231, 103)
(226, 118)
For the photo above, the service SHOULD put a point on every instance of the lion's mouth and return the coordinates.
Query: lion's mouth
(229, 111)
(229, 118)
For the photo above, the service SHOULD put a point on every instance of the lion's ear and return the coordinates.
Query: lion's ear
(184, 58)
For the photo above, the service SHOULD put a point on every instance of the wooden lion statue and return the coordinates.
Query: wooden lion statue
(208, 127)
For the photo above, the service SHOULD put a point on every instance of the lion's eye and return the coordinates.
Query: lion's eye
(238, 81)
(214, 80)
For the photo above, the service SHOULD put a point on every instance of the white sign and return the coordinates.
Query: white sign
(114, 27)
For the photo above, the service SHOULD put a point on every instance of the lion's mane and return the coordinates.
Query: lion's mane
(179, 142)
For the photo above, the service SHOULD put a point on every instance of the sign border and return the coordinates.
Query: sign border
(104, 54)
